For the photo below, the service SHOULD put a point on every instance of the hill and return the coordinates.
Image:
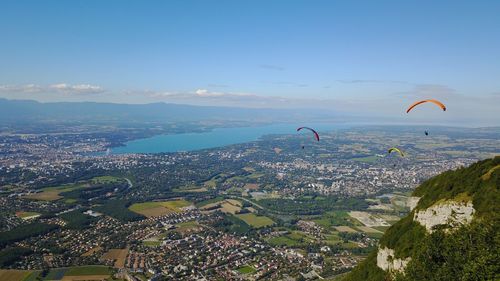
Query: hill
(452, 233)
(28, 111)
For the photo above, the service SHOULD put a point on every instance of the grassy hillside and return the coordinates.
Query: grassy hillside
(468, 253)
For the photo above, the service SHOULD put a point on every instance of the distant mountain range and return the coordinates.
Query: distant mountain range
(28, 111)
(451, 234)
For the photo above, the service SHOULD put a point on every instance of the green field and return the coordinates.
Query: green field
(152, 209)
(151, 243)
(255, 175)
(255, 221)
(54, 192)
(211, 183)
(367, 159)
(283, 241)
(209, 201)
(332, 239)
(105, 179)
(88, 270)
(335, 218)
(186, 226)
(246, 270)
(293, 239)
(190, 189)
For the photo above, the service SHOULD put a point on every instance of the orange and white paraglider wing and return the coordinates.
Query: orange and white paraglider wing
(436, 102)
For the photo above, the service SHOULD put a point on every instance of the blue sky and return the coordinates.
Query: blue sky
(344, 54)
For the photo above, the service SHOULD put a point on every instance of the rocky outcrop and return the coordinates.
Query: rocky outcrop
(387, 261)
(412, 202)
(450, 213)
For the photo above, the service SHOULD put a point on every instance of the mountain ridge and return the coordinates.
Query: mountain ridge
(12, 111)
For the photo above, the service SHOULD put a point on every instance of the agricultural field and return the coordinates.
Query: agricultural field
(45, 195)
(367, 159)
(251, 186)
(155, 209)
(186, 227)
(330, 220)
(344, 228)
(367, 219)
(151, 243)
(54, 193)
(105, 179)
(367, 229)
(118, 255)
(190, 189)
(257, 195)
(27, 215)
(284, 241)
(293, 239)
(255, 175)
(255, 221)
(249, 169)
(332, 239)
(88, 270)
(231, 206)
(209, 202)
(14, 275)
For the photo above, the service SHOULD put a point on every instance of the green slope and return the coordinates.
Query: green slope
(468, 253)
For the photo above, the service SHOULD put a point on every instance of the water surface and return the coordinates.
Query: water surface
(215, 138)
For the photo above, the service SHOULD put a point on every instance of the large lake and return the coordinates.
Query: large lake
(215, 138)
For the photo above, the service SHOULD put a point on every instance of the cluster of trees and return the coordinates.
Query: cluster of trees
(11, 255)
(25, 231)
(480, 181)
(470, 253)
(77, 220)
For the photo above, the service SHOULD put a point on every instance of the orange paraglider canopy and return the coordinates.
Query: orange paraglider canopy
(438, 103)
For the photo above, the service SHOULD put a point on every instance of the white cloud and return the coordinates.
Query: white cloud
(28, 88)
(206, 93)
(57, 88)
(77, 89)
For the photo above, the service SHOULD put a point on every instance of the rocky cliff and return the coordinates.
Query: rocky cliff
(451, 234)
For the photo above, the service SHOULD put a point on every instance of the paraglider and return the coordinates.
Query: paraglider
(316, 135)
(438, 103)
(426, 133)
(392, 149)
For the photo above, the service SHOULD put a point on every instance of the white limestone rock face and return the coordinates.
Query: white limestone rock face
(412, 202)
(387, 262)
(449, 213)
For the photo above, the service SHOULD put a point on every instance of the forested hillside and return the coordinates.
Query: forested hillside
(452, 234)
